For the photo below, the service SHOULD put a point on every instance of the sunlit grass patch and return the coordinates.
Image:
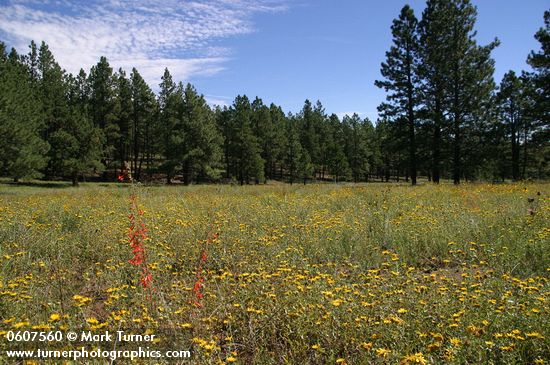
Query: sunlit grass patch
(353, 274)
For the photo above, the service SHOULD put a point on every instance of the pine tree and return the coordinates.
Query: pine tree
(457, 75)
(124, 113)
(278, 140)
(294, 150)
(32, 63)
(75, 142)
(325, 143)
(22, 150)
(388, 154)
(540, 110)
(338, 165)
(225, 128)
(319, 124)
(170, 102)
(76, 146)
(512, 108)
(82, 92)
(57, 115)
(264, 131)
(356, 150)
(371, 147)
(143, 109)
(202, 143)
(244, 149)
(433, 30)
(401, 80)
(540, 61)
(102, 107)
(309, 138)
(305, 167)
(471, 75)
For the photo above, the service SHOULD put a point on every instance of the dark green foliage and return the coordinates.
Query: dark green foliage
(293, 153)
(76, 144)
(512, 114)
(201, 154)
(439, 82)
(402, 81)
(170, 106)
(102, 105)
(540, 61)
(305, 168)
(142, 120)
(357, 149)
(338, 165)
(22, 150)
(191, 140)
(124, 112)
(265, 131)
(309, 120)
(244, 159)
(277, 143)
(540, 96)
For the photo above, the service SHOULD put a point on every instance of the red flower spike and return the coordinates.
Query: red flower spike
(137, 233)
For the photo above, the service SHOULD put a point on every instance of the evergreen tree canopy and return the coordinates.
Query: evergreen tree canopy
(22, 150)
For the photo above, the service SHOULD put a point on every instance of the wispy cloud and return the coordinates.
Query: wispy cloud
(185, 36)
(218, 100)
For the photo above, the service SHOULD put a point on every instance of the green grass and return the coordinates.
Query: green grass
(358, 274)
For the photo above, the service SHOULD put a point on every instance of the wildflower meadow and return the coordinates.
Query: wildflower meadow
(281, 274)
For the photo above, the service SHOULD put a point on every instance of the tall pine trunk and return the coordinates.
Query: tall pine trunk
(515, 154)
(411, 121)
(524, 153)
(456, 151)
(74, 178)
(456, 124)
(436, 152)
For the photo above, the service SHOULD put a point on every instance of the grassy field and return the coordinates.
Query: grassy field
(321, 274)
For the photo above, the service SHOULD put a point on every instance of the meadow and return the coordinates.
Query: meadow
(280, 274)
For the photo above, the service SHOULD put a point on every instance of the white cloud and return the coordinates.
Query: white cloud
(149, 35)
(216, 100)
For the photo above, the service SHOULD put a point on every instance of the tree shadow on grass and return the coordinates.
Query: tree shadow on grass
(36, 184)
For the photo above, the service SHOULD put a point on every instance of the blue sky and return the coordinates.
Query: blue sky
(283, 51)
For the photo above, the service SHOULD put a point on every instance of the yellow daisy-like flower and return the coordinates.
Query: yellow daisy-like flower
(381, 352)
(417, 358)
(534, 335)
(92, 321)
(20, 324)
(55, 317)
(455, 341)
(366, 345)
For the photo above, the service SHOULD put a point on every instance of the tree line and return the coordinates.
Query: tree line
(443, 109)
(444, 117)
